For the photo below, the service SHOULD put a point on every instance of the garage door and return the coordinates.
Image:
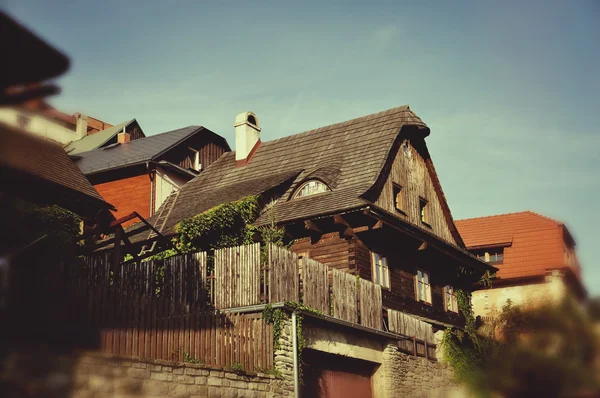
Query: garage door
(335, 376)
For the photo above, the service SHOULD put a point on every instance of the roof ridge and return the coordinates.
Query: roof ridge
(545, 217)
(339, 124)
(509, 214)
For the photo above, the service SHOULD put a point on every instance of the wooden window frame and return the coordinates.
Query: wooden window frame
(398, 195)
(424, 211)
(453, 299)
(385, 270)
(426, 287)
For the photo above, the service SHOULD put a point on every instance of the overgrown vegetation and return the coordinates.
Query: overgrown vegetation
(549, 350)
(279, 316)
(189, 359)
(44, 233)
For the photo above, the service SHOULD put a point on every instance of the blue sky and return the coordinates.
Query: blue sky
(509, 90)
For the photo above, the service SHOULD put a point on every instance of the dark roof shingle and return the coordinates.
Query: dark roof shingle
(44, 159)
(351, 154)
(134, 152)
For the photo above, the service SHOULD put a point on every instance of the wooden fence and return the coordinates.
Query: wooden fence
(423, 342)
(154, 327)
(238, 279)
(237, 276)
(182, 278)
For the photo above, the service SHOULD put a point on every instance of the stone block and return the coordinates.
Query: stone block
(215, 381)
(138, 373)
(193, 371)
(200, 380)
(196, 390)
(185, 379)
(162, 376)
(140, 365)
(155, 388)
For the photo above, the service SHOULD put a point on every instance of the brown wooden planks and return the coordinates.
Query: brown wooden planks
(237, 276)
(283, 275)
(410, 326)
(315, 284)
(344, 296)
(370, 305)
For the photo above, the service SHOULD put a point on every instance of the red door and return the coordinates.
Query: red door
(335, 376)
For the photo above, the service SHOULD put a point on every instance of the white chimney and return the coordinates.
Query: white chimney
(80, 126)
(247, 137)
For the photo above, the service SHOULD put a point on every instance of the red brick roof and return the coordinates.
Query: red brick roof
(533, 244)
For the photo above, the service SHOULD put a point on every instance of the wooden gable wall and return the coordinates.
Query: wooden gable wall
(409, 170)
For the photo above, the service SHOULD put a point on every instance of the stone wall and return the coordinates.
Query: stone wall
(97, 375)
(408, 376)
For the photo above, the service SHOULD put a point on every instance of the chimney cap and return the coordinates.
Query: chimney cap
(249, 118)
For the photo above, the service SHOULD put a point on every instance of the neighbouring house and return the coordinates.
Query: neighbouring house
(140, 175)
(361, 196)
(40, 118)
(535, 256)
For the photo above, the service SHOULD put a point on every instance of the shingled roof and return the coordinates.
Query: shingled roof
(349, 156)
(533, 243)
(96, 140)
(135, 152)
(33, 164)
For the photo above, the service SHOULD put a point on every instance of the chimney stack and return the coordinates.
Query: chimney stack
(80, 126)
(247, 137)
(123, 137)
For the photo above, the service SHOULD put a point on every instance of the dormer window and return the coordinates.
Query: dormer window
(311, 187)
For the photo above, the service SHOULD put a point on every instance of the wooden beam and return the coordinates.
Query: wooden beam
(360, 229)
(310, 225)
(123, 219)
(378, 225)
(339, 219)
(423, 246)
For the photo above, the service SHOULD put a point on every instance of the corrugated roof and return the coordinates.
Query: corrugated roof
(357, 148)
(133, 152)
(534, 243)
(96, 140)
(44, 159)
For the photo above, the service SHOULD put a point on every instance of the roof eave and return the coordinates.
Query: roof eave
(460, 254)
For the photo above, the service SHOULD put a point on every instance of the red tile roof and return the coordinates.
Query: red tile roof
(532, 243)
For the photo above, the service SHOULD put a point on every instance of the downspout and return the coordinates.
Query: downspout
(295, 349)
(151, 188)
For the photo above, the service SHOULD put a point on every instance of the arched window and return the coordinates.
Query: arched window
(310, 188)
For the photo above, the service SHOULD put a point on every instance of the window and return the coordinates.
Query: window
(423, 288)
(381, 274)
(424, 210)
(450, 302)
(492, 256)
(398, 197)
(197, 165)
(311, 188)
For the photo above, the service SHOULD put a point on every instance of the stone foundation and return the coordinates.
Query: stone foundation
(409, 376)
(96, 375)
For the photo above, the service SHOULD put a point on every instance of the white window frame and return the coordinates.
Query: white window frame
(317, 183)
(423, 286)
(450, 301)
(380, 271)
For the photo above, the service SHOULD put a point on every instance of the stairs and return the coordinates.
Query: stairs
(163, 215)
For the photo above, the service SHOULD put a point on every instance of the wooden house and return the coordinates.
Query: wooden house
(361, 196)
(139, 175)
(535, 256)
